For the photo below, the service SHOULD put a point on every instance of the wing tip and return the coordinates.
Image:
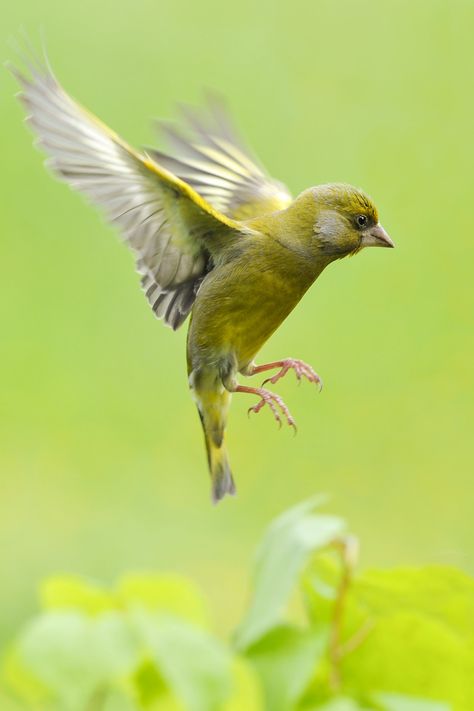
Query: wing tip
(33, 65)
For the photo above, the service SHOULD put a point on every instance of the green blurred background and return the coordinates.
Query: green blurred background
(102, 463)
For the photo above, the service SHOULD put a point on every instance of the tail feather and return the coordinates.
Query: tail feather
(221, 474)
(218, 461)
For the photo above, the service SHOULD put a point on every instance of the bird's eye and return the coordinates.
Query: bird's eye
(361, 220)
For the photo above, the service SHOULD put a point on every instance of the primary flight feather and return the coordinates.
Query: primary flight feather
(212, 234)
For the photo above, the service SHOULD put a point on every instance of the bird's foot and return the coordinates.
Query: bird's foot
(274, 402)
(302, 370)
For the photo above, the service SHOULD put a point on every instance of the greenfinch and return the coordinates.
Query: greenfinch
(212, 235)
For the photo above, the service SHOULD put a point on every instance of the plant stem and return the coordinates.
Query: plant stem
(348, 549)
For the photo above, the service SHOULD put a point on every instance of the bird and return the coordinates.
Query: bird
(214, 238)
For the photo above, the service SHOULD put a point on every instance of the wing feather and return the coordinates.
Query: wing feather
(209, 155)
(169, 227)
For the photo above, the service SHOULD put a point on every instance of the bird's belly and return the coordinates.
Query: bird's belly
(237, 320)
(253, 326)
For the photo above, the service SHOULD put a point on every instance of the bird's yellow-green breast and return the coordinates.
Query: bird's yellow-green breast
(245, 298)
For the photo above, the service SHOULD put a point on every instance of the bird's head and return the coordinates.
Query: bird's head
(346, 221)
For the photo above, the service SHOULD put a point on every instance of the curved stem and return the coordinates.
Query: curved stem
(348, 549)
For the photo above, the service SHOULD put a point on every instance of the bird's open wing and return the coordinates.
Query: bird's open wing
(171, 229)
(210, 157)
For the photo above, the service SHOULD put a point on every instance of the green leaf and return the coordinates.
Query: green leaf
(74, 593)
(442, 592)
(74, 656)
(19, 679)
(319, 585)
(193, 664)
(247, 692)
(422, 638)
(152, 691)
(171, 594)
(397, 702)
(286, 659)
(286, 548)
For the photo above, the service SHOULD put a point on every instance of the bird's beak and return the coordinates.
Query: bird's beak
(376, 237)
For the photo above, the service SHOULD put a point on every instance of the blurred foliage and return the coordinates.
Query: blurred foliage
(384, 640)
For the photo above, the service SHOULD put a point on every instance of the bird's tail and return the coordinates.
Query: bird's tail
(213, 413)
(219, 467)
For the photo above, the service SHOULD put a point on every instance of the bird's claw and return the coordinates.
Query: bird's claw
(274, 402)
(301, 369)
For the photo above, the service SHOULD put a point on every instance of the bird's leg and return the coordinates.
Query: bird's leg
(302, 370)
(268, 398)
